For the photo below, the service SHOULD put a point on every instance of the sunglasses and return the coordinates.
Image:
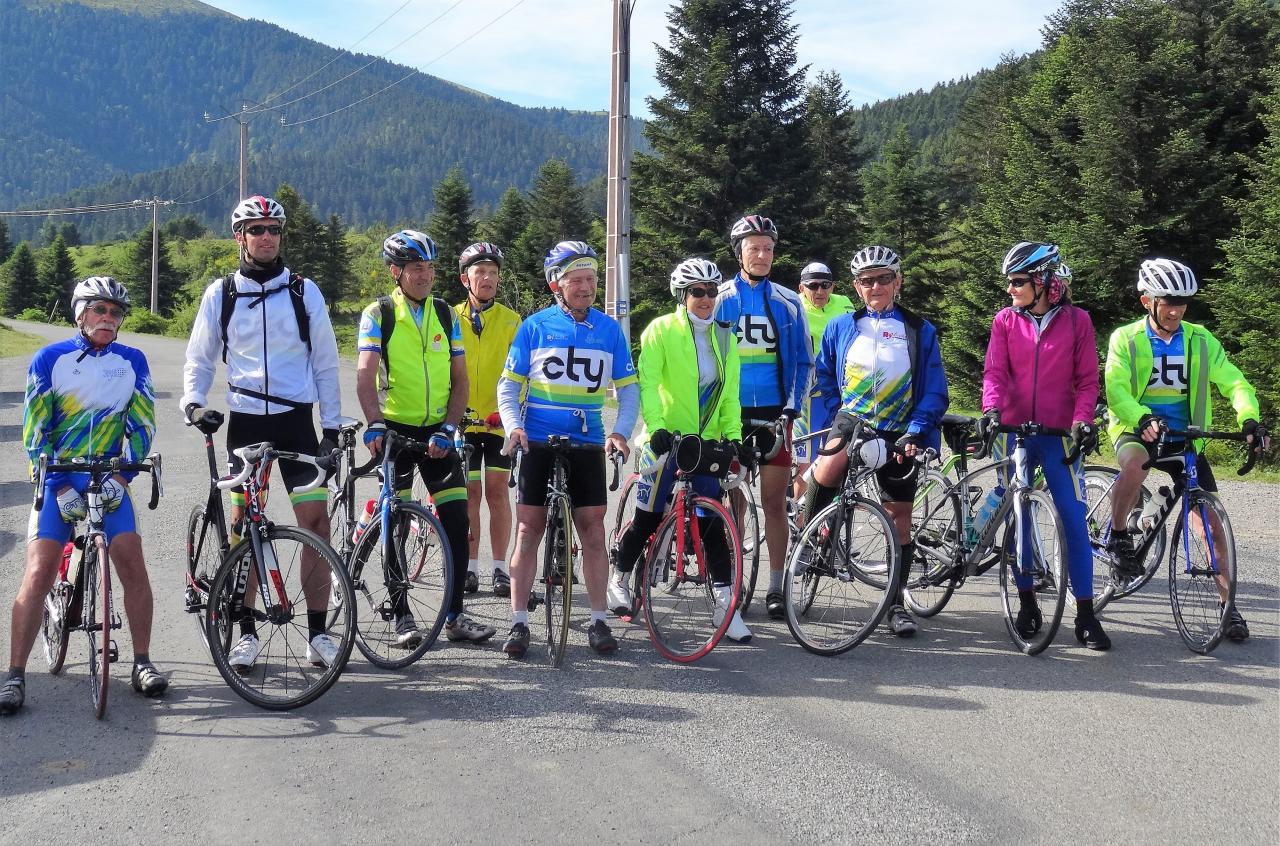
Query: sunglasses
(1020, 282)
(102, 311)
(1175, 301)
(261, 229)
(815, 286)
(884, 280)
(699, 293)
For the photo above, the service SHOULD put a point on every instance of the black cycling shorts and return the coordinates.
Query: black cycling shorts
(763, 438)
(486, 453)
(292, 431)
(586, 485)
(439, 474)
(1175, 467)
(898, 482)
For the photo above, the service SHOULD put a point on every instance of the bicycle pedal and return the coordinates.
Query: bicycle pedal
(113, 653)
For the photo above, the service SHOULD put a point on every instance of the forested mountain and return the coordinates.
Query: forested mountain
(100, 104)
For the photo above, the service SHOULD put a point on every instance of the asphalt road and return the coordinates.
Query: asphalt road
(949, 737)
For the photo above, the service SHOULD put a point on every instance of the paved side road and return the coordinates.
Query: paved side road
(950, 737)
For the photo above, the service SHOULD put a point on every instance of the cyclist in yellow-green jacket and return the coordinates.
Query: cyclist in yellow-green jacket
(688, 371)
(821, 304)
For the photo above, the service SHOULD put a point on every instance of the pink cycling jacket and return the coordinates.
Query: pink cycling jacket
(1046, 373)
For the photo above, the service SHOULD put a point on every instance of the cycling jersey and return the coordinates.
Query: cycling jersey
(773, 342)
(1130, 362)
(415, 378)
(269, 368)
(486, 355)
(886, 367)
(671, 396)
(561, 367)
(1166, 390)
(817, 318)
(81, 401)
(1043, 371)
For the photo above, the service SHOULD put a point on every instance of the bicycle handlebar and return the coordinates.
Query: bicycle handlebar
(254, 454)
(1194, 433)
(616, 458)
(777, 426)
(98, 466)
(517, 453)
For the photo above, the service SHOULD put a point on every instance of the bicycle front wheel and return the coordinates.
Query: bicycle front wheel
(751, 531)
(832, 604)
(622, 518)
(402, 592)
(936, 527)
(1098, 481)
(1034, 553)
(204, 554)
(288, 671)
(1202, 582)
(681, 610)
(557, 576)
(97, 622)
(54, 633)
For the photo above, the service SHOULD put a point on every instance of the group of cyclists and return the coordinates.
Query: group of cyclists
(744, 360)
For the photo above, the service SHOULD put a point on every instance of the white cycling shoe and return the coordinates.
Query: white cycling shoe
(737, 631)
(620, 602)
(244, 653)
(322, 651)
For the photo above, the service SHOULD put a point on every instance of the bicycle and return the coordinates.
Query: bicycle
(847, 555)
(746, 508)
(674, 583)
(268, 563)
(405, 603)
(85, 603)
(953, 547)
(1201, 586)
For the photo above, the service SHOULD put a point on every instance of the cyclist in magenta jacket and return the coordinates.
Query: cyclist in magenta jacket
(1042, 366)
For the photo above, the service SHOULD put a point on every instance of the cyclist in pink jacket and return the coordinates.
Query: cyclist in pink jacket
(1042, 366)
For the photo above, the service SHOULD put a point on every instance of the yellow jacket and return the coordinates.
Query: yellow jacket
(486, 356)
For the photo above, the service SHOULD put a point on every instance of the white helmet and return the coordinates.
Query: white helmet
(816, 270)
(693, 271)
(98, 288)
(1166, 278)
(870, 257)
(255, 208)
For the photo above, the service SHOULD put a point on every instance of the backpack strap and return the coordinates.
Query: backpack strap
(445, 315)
(228, 305)
(297, 291)
(387, 325)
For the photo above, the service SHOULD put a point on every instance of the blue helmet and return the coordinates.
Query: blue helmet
(566, 256)
(1030, 257)
(408, 245)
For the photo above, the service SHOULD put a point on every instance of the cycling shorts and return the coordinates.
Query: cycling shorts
(486, 454)
(586, 484)
(291, 431)
(47, 523)
(1176, 468)
(439, 474)
(762, 437)
(898, 482)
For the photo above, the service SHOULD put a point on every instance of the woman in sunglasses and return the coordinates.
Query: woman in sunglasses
(688, 372)
(1042, 367)
(820, 306)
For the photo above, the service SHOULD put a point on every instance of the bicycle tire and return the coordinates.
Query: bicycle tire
(54, 633)
(281, 678)
(1097, 484)
(622, 518)
(426, 581)
(752, 536)
(97, 596)
(557, 576)
(825, 564)
(936, 528)
(1048, 568)
(204, 555)
(1198, 609)
(680, 606)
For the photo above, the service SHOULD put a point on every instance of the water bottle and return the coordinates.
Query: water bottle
(988, 508)
(363, 523)
(1161, 502)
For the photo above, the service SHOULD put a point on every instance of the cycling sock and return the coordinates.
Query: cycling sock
(141, 659)
(521, 617)
(315, 623)
(602, 616)
(500, 564)
(775, 581)
(473, 565)
(247, 624)
(817, 497)
(19, 673)
(450, 618)
(1027, 598)
(1084, 610)
(908, 553)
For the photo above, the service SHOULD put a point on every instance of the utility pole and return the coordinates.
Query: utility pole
(155, 203)
(244, 142)
(617, 271)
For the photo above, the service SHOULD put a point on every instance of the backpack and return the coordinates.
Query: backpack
(387, 323)
(295, 289)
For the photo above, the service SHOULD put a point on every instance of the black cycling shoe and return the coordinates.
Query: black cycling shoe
(775, 604)
(12, 694)
(1236, 628)
(601, 638)
(472, 584)
(901, 623)
(1029, 619)
(1089, 633)
(501, 583)
(1127, 566)
(517, 642)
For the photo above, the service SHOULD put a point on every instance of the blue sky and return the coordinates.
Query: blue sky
(556, 52)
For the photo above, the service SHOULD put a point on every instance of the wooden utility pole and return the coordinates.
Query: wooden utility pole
(155, 203)
(244, 143)
(617, 278)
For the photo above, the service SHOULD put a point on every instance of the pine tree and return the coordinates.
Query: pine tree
(451, 226)
(136, 276)
(6, 248)
(19, 282)
(303, 245)
(57, 278)
(504, 228)
(556, 213)
(728, 136)
(831, 231)
(335, 282)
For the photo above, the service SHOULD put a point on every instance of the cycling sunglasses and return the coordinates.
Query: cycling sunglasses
(103, 311)
(883, 280)
(815, 286)
(262, 228)
(1020, 282)
(1175, 301)
(699, 293)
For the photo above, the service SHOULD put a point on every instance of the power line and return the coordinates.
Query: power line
(105, 207)
(373, 61)
(517, 4)
(224, 187)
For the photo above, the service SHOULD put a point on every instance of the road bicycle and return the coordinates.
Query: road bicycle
(82, 601)
(1022, 534)
(1202, 581)
(400, 564)
(274, 581)
(746, 508)
(842, 571)
(684, 606)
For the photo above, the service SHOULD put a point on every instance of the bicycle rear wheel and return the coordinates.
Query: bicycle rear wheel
(284, 675)
(936, 527)
(414, 582)
(557, 576)
(1044, 564)
(54, 631)
(751, 532)
(1098, 480)
(1196, 585)
(680, 606)
(204, 554)
(97, 619)
(831, 603)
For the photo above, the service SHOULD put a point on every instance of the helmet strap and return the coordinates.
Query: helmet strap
(1155, 319)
